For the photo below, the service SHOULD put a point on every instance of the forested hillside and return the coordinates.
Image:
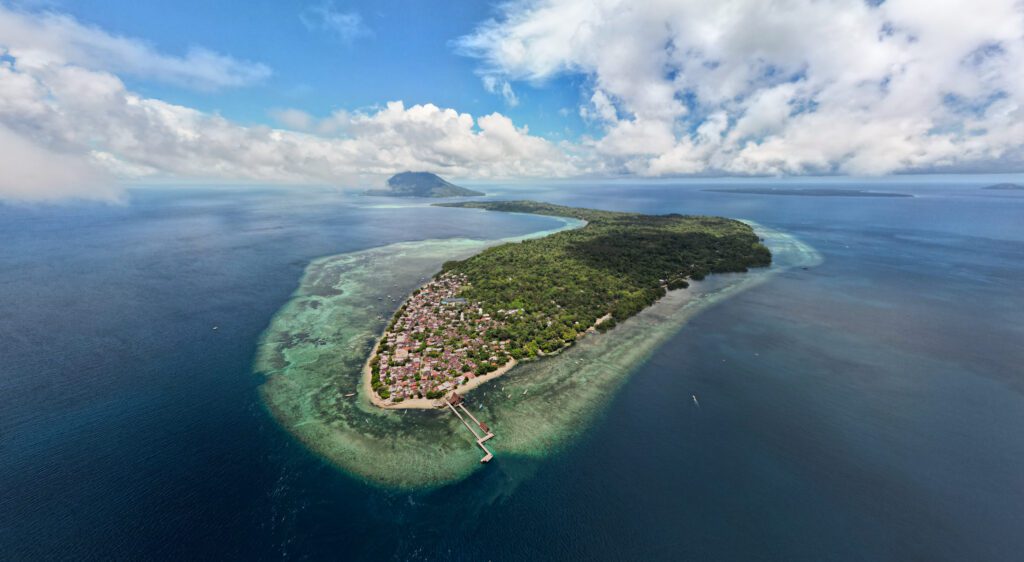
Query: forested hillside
(550, 289)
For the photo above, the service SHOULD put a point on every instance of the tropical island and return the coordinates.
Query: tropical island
(525, 300)
(421, 184)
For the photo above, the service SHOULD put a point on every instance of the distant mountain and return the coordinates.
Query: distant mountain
(1005, 187)
(421, 184)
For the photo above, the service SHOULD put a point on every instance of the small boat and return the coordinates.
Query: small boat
(350, 395)
(216, 327)
(694, 396)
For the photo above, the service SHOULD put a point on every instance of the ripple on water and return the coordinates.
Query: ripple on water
(314, 349)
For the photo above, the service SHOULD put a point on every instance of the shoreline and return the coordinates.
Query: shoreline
(436, 403)
(425, 403)
(366, 372)
(305, 379)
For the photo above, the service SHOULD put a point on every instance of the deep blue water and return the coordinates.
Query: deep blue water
(869, 408)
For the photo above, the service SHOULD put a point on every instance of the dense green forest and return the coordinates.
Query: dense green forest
(618, 264)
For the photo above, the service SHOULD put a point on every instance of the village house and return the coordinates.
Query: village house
(425, 353)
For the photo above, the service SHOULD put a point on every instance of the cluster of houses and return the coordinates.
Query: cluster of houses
(437, 341)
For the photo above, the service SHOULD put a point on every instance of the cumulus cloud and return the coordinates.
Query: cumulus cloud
(70, 129)
(89, 116)
(39, 39)
(91, 124)
(790, 87)
(671, 87)
(32, 172)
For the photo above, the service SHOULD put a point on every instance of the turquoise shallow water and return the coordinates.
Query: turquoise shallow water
(866, 408)
(314, 350)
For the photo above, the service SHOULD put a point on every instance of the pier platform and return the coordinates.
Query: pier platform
(455, 404)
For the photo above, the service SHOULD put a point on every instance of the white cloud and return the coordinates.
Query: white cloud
(798, 86)
(40, 39)
(346, 26)
(673, 87)
(32, 172)
(601, 108)
(496, 85)
(294, 119)
(86, 126)
(69, 128)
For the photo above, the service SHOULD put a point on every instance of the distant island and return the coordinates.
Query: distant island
(421, 184)
(519, 301)
(809, 192)
(1005, 187)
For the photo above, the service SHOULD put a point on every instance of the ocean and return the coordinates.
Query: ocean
(868, 407)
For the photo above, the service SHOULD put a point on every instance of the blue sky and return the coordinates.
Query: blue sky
(95, 94)
(406, 53)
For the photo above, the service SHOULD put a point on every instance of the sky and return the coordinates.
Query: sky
(96, 95)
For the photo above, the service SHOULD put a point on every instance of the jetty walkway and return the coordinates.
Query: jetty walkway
(454, 402)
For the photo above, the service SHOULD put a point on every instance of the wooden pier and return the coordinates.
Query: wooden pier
(456, 400)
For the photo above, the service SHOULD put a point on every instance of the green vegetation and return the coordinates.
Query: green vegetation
(547, 291)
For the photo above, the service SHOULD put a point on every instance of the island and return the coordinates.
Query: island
(421, 184)
(522, 301)
(1005, 187)
(808, 192)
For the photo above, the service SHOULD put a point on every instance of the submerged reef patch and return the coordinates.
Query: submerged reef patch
(313, 352)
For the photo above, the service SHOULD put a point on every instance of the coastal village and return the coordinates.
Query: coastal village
(436, 342)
